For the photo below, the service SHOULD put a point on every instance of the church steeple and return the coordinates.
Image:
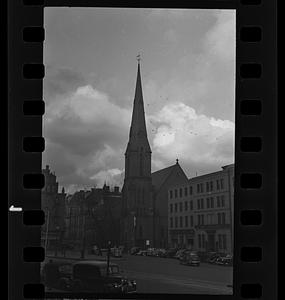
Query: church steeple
(138, 126)
(138, 153)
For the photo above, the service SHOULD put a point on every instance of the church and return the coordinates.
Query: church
(144, 220)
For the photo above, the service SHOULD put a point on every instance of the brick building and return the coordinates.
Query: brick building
(93, 217)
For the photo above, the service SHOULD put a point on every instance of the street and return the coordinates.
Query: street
(166, 275)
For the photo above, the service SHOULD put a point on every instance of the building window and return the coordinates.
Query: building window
(180, 193)
(181, 221)
(171, 222)
(186, 221)
(176, 222)
(208, 202)
(218, 201)
(175, 207)
(222, 183)
(175, 193)
(211, 186)
(198, 203)
(199, 241)
(191, 221)
(212, 202)
(185, 191)
(207, 186)
(171, 194)
(185, 205)
(199, 220)
(180, 206)
(198, 188)
(191, 190)
(202, 219)
(219, 218)
(223, 201)
(202, 203)
(202, 188)
(224, 241)
(223, 218)
(203, 240)
(220, 241)
(171, 207)
(191, 205)
(218, 184)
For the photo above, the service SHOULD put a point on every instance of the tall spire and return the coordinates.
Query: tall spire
(138, 126)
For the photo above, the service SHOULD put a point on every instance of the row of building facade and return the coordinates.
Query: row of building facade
(198, 214)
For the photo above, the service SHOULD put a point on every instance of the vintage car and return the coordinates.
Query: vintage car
(189, 258)
(170, 253)
(134, 250)
(224, 260)
(53, 271)
(141, 253)
(93, 276)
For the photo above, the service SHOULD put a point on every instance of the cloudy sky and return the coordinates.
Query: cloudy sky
(188, 78)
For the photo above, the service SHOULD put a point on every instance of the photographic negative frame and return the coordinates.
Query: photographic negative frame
(255, 217)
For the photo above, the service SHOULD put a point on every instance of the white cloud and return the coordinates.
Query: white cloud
(87, 132)
(194, 138)
(111, 177)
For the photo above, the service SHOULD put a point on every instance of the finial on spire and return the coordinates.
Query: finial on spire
(177, 161)
(139, 57)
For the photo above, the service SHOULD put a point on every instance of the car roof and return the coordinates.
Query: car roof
(95, 263)
(61, 262)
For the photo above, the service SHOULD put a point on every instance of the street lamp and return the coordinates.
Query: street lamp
(57, 230)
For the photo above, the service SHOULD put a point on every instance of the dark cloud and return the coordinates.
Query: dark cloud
(59, 81)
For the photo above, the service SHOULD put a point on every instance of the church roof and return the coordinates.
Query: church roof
(160, 176)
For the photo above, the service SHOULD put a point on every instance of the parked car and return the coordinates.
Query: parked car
(170, 253)
(189, 258)
(212, 257)
(53, 271)
(93, 276)
(160, 252)
(179, 253)
(141, 253)
(224, 260)
(134, 250)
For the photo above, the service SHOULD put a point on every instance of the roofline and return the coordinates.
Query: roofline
(224, 168)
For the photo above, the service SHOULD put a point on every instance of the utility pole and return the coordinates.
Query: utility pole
(108, 257)
(46, 237)
(83, 237)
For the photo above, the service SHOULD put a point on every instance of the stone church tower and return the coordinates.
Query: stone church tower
(137, 207)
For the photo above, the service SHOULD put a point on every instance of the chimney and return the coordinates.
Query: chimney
(116, 189)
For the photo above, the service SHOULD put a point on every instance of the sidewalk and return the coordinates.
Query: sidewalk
(76, 255)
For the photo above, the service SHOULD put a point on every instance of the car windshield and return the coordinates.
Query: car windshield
(65, 269)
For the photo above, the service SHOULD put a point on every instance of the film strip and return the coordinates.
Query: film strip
(255, 205)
